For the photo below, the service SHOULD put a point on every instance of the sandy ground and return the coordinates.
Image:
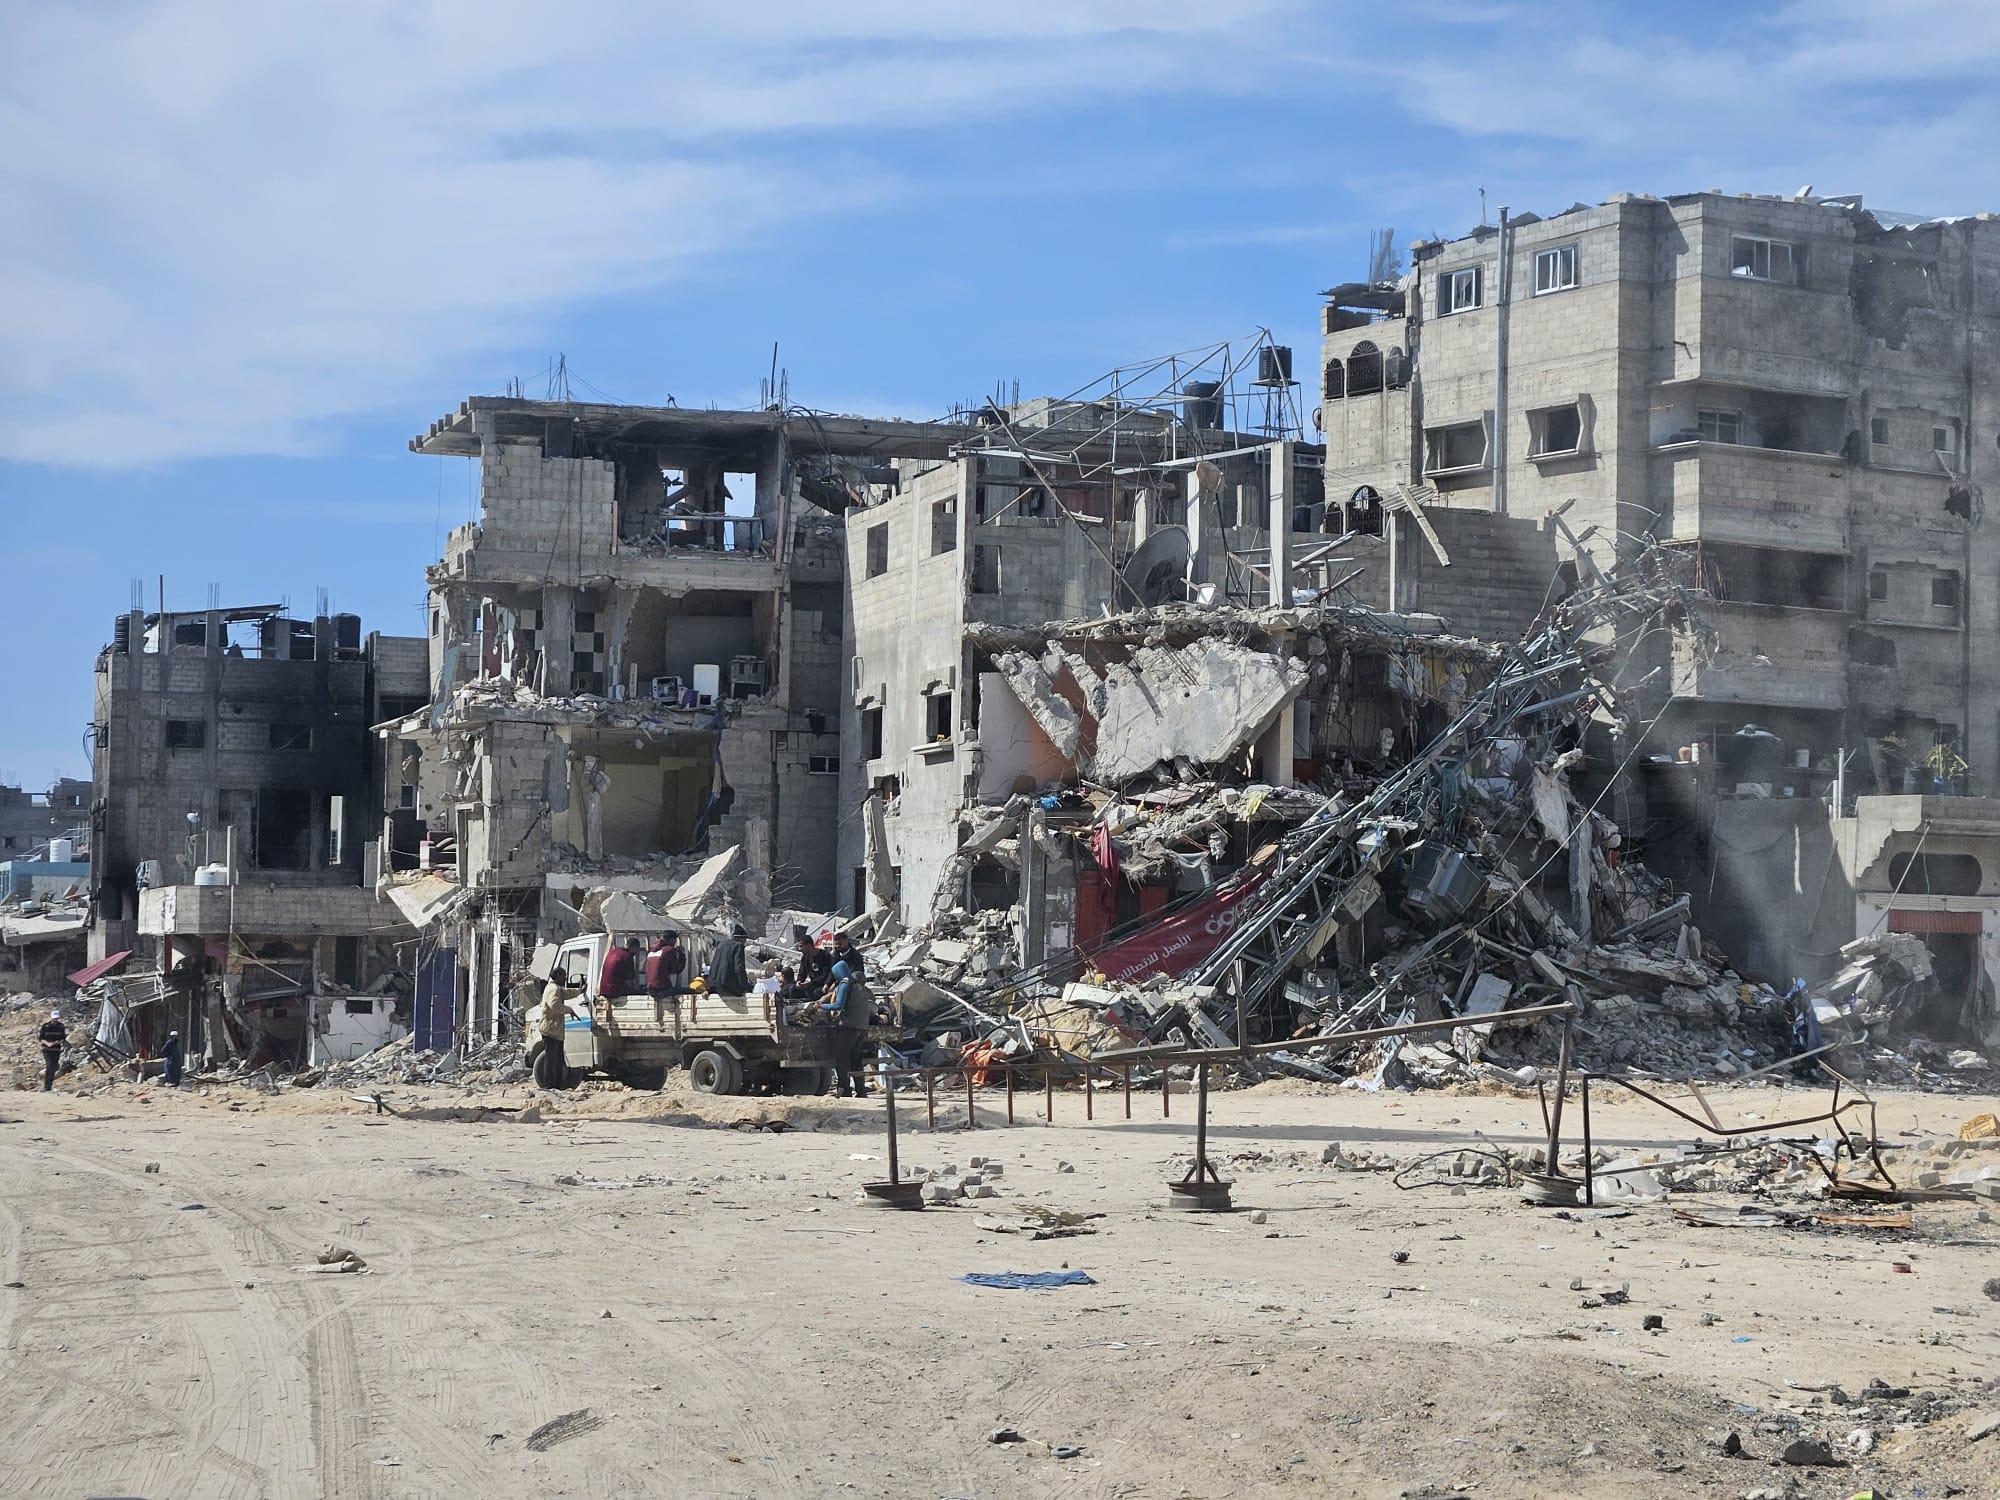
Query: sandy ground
(736, 1324)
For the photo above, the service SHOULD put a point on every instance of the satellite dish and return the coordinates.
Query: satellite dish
(1157, 572)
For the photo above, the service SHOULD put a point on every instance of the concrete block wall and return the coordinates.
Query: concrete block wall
(1502, 569)
(529, 502)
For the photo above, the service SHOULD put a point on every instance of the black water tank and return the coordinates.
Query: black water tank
(1274, 365)
(1202, 406)
(347, 632)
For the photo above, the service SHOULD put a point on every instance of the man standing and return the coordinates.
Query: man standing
(52, 1036)
(849, 1010)
(620, 974)
(170, 1058)
(665, 965)
(727, 972)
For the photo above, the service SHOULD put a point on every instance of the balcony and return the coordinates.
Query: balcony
(1768, 655)
(1763, 497)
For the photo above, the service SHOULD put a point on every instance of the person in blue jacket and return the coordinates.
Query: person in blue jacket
(849, 1009)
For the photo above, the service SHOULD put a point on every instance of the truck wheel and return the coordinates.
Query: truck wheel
(714, 1072)
(653, 1078)
(551, 1070)
(807, 1082)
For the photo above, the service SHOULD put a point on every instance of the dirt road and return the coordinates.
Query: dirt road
(766, 1336)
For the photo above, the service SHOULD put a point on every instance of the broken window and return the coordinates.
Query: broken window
(816, 607)
(1454, 449)
(1718, 426)
(406, 795)
(1761, 259)
(823, 765)
(1556, 429)
(1878, 431)
(1555, 269)
(871, 732)
(944, 526)
(186, 734)
(1458, 291)
(1936, 874)
(937, 717)
(1333, 383)
(1364, 369)
(291, 736)
(284, 828)
(1944, 441)
(1944, 591)
(986, 570)
(1034, 502)
(336, 828)
(1775, 575)
(878, 550)
(1878, 584)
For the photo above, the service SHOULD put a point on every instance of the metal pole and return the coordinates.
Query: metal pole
(930, 1097)
(1089, 1105)
(971, 1119)
(889, 1090)
(1128, 1091)
(1166, 1088)
(1049, 1095)
(1202, 1170)
(1556, 1110)
(1010, 1093)
(1589, 1169)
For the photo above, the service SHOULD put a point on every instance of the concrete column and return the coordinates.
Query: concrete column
(1034, 890)
(1280, 522)
(558, 639)
(1199, 569)
(1392, 532)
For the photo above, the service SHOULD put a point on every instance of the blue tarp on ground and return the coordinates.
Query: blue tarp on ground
(1029, 1279)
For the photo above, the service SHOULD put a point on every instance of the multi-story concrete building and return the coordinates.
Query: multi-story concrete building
(635, 655)
(237, 737)
(233, 823)
(1802, 395)
(1800, 391)
(1033, 518)
(31, 821)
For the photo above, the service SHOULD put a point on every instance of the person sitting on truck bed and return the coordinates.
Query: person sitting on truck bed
(813, 971)
(844, 952)
(620, 974)
(850, 1009)
(727, 974)
(665, 965)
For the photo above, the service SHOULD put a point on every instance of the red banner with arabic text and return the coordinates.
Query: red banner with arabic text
(1174, 946)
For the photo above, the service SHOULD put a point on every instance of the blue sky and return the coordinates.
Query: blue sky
(248, 251)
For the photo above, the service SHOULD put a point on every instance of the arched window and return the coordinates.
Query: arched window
(1334, 385)
(1364, 369)
(1396, 368)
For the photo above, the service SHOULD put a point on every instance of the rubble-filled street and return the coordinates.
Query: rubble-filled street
(621, 1295)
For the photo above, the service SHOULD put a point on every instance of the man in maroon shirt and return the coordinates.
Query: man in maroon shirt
(620, 975)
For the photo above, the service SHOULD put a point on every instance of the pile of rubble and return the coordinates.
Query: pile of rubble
(401, 1061)
(1451, 872)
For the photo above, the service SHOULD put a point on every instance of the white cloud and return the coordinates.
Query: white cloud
(1884, 97)
(229, 225)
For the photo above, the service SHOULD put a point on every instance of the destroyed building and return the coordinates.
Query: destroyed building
(1801, 394)
(232, 821)
(635, 657)
(31, 821)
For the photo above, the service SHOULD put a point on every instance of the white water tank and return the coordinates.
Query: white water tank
(212, 875)
(62, 851)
